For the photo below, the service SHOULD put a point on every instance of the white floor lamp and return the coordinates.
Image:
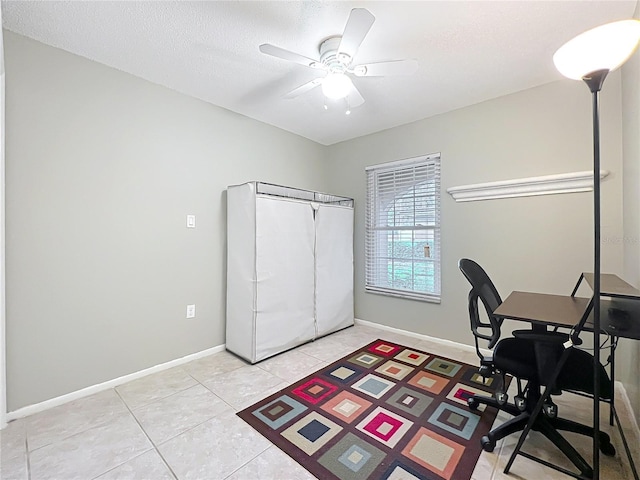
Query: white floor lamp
(590, 57)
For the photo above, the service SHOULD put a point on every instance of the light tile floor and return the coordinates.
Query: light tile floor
(181, 423)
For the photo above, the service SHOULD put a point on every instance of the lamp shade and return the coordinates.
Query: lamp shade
(336, 86)
(605, 47)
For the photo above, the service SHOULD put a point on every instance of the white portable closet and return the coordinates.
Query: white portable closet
(289, 267)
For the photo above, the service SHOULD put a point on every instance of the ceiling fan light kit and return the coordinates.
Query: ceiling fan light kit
(336, 58)
(336, 85)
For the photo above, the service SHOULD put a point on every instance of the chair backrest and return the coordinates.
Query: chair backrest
(482, 288)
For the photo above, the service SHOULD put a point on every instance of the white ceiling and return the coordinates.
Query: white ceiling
(468, 51)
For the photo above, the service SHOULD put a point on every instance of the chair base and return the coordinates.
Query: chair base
(549, 427)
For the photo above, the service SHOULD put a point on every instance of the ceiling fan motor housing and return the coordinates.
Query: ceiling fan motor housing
(335, 61)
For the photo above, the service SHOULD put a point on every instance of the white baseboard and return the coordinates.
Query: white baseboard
(633, 426)
(85, 392)
(442, 341)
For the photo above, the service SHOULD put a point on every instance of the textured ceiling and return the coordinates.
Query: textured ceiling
(468, 51)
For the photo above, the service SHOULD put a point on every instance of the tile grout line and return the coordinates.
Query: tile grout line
(148, 438)
(66, 437)
(213, 393)
(158, 398)
(188, 429)
(27, 453)
(235, 413)
(249, 461)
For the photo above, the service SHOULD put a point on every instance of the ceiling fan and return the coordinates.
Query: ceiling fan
(336, 59)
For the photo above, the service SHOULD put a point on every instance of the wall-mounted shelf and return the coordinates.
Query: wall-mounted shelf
(526, 187)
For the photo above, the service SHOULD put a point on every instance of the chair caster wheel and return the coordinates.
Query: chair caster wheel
(501, 398)
(473, 403)
(551, 410)
(520, 402)
(607, 449)
(487, 444)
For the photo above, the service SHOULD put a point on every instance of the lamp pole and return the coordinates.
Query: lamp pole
(594, 81)
(590, 56)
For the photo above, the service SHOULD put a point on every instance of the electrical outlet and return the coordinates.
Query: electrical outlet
(191, 311)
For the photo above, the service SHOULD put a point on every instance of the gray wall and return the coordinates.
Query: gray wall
(102, 168)
(536, 243)
(630, 350)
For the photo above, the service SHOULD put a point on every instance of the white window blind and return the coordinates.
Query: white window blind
(403, 228)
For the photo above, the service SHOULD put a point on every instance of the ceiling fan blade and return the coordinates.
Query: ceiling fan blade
(303, 88)
(396, 67)
(358, 25)
(290, 56)
(354, 98)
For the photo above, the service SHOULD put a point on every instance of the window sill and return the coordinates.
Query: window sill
(526, 187)
(405, 295)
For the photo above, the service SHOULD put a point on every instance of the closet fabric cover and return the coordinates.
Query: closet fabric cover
(334, 268)
(289, 271)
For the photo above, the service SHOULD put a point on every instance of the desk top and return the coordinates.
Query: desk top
(557, 310)
(618, 316)
(613, 286)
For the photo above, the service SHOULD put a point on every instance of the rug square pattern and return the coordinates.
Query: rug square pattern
(400, 471)
(352, 457)
(365, 359)
(314, 390)
(346, 406)
(279, 411)
(434, 452)
(383, 412)
(455, 420)
(412, 357)
(443, 367)
(373, 385)
(311, 432)
(394, 369)
(410, 401)
(385, 426)
(386, 349)
(474, 378)
(429, 382)
(343, 373)
(460, 393)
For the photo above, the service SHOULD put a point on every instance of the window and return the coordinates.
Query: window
(403, 228)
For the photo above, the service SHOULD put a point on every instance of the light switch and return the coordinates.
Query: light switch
(191, 221)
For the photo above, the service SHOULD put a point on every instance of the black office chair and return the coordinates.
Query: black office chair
(530, 356)
(514, 356)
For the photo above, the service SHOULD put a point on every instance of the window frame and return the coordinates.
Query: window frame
(373, 241)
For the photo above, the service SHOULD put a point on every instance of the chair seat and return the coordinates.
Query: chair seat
(517, 357)
(577, 375)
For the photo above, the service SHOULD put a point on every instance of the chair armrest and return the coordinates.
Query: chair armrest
(542, 337)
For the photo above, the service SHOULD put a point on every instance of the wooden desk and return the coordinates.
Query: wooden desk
(566, 311)
(625, 326)
(611, 286)
(542, 308)
(619, 317)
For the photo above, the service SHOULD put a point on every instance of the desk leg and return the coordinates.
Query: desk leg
(613, 379)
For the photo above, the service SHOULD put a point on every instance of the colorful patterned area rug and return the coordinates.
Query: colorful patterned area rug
(383, 412)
